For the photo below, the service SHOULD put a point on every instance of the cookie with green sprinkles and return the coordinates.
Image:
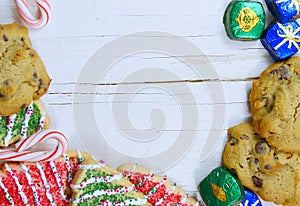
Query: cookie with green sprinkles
(244, 20)
(96, 183)
(23, 124)
(158, 190)
(221, 188)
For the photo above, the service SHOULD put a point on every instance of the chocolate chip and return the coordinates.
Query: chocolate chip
(273, 72)
(268, 166)
(256, 161)
(244, 136)
(35, 75)
(23, 106)
(5, 83)
(257, 181)
(266, 101)
(284, 72)
(233, 141)
(31, 54)
(22, 39)
(275, 153)
(248, 159)
(4, 37)
(40, 84)
(241, 166)
(260, 147)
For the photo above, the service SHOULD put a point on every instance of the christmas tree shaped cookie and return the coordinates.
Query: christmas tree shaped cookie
(158, 189)
(96, 183)
(23, 124)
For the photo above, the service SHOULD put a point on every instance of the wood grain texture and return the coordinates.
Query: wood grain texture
(78, 28)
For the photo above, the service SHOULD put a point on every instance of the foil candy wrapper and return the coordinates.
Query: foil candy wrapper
(244, 20)
(282, 40)
(284, 10)
(251, 199)
(221, 188)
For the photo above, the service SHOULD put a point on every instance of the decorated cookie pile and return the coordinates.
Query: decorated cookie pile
(23, 80)
(245, 20)
(263, 154)
(56, 176)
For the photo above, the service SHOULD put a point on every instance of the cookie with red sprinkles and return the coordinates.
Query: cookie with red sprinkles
(158, 190)
(38, 183)
(96, 183)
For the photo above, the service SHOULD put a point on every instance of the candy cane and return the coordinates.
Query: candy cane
(22, 154)
(42, 20)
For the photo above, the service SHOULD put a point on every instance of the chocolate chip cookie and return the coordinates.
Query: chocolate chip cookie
(275, 104)
(272, 174)
(23, 77)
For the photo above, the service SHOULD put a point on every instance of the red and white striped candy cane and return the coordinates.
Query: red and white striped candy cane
(21, 153)
(28, 18)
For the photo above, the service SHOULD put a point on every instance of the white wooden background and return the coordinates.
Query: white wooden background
(78, 28)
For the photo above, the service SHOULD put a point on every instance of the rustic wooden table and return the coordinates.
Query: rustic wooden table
(150, 82)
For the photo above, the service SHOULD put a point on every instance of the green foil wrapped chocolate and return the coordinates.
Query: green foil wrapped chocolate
(244, 20)
(221, 188)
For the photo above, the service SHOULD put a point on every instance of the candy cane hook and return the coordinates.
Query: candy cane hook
(44, 16)
(21, 153)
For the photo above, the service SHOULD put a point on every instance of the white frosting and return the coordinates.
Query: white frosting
(97, 180)
(9, 127)
(20, 192)
(28, 115)
(58, 180)
(91, 167)
(47, 186)
(7, 195)
(97, 193)
(68, 166)
(126, 202)
(29, 180)
(42, 121)
(80, 158)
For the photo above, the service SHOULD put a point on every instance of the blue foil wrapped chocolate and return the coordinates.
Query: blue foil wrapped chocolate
(284, 10)
(281, 40)
(251, 199)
